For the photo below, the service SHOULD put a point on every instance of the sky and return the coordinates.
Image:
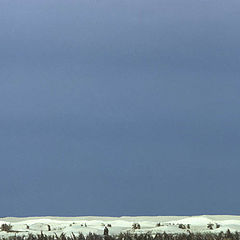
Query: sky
(119, 107)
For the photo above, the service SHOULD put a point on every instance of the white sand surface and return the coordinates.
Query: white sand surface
(87, 224)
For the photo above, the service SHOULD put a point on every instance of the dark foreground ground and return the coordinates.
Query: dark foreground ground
(127, 236)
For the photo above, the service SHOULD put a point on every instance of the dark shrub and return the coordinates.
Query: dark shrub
(210, 226)
(182, 226)
(6, 227)
(136, 226)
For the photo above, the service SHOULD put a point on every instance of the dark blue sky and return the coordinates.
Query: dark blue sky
(119, 107)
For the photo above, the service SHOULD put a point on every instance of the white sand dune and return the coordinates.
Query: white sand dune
(87, 224)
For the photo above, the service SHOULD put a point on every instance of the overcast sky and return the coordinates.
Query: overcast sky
(119, 107)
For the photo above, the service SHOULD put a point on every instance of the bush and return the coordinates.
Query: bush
(6, 227)
(182, 226)
(210, 226)
(136, 226)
